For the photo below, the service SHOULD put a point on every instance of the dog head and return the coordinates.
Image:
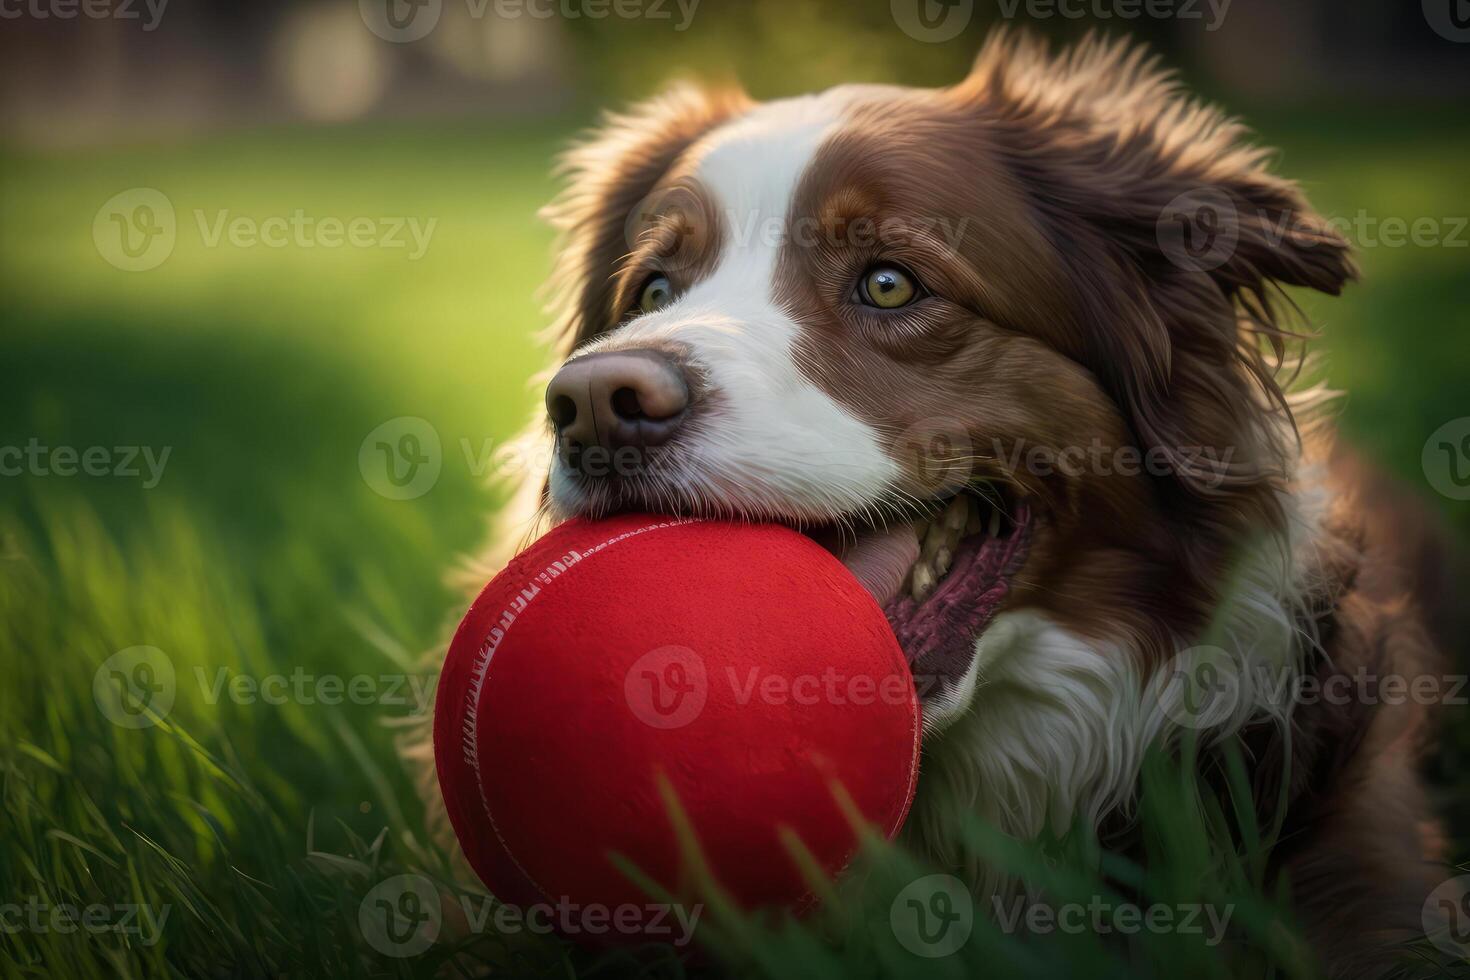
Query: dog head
(1010, 345)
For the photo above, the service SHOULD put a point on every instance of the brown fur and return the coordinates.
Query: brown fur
(1059, 316)
(608, 177)
(1361, 848)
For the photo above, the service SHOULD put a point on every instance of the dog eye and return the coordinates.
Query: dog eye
(887, 287)
(656, 292)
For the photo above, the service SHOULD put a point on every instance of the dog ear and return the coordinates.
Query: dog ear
(608, 174)
(1176, 240)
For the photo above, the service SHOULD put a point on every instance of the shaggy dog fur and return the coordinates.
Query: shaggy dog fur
(1060, 310)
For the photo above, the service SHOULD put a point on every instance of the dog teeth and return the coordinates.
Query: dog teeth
(921, 581)
(942, 560)
(923, 529)
(957, 514)
(939, 539)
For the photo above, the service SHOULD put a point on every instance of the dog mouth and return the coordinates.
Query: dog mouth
(940, 575)
(941, 569)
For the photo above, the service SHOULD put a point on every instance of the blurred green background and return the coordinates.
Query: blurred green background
(262, 370)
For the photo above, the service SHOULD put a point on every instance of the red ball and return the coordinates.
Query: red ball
(739, 665)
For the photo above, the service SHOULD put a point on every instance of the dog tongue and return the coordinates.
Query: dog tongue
(881, 559)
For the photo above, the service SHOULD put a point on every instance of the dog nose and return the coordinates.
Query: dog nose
(617, 399)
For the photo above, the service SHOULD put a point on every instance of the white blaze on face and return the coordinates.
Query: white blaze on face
(771, 441)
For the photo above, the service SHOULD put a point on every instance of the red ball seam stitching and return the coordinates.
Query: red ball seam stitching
(481, 672)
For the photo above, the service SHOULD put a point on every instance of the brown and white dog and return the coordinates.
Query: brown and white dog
(1014, 350)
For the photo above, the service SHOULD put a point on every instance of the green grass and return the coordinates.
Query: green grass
(262, 550)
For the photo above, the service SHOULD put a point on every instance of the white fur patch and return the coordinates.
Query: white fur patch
(1054, 728)
(773, 444)
(1054, 732)
(1046, 729)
